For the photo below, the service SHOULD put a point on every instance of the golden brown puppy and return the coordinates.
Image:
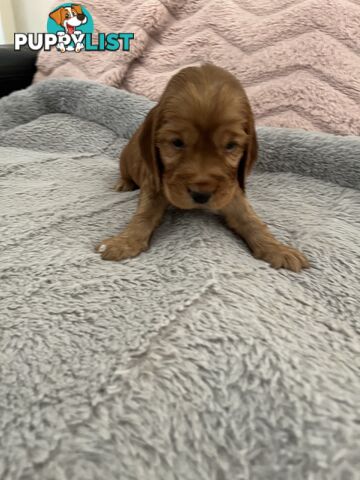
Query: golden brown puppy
(194, 150)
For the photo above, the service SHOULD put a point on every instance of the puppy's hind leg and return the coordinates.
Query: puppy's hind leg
(125, 185)
(125, 182)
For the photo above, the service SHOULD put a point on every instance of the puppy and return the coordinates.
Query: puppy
(194, 150)
(69, 18)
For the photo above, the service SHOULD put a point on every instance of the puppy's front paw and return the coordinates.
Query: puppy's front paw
(79, 47)
(120, 247)
(282, 256)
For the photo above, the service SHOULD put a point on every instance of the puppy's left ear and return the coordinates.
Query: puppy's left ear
(250, 154)
(149, 151)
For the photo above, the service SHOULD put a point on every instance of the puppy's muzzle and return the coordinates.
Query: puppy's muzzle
(200, 197)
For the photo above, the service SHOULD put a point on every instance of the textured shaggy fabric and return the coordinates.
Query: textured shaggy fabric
(194, 361)
(299, 60)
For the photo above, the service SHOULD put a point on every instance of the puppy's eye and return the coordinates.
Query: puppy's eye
(67, 15)
(178, 143)
(230, 146)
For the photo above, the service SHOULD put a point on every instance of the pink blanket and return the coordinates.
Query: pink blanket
(299, 60)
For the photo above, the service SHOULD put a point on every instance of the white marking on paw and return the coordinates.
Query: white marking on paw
(102, 248)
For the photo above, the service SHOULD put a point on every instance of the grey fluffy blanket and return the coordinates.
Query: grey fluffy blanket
(193, 361)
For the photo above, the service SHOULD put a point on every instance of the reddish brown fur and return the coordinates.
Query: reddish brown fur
(206, 109)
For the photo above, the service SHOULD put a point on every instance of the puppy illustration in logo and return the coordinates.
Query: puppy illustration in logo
(69, 18)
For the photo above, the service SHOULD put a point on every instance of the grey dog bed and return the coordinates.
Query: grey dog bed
(193, 361)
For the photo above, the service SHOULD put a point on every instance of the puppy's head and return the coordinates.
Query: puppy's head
(199, 142)
(70, 17)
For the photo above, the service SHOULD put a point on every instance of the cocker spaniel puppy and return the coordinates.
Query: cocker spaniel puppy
(195, 150)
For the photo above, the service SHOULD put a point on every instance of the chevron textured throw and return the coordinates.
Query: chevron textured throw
(299, 60)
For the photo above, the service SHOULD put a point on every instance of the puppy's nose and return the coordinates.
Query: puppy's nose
(80, 16)
(200, 197)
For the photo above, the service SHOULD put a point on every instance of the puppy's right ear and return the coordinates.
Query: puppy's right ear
(148, 147)
(57, 15)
